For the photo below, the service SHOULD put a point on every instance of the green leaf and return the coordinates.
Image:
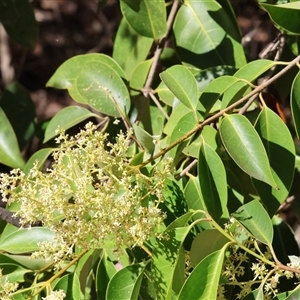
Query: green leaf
(40, 156)
(126, 283)
(94, 79)
(14, 272)
(285, 16)
(256, 221)
(195, 29)
(144, 138)
(139, 77)
(65, 119)
(19, 22)
(130, 48)
(182, 84)
(280, 149)
(205, 243)
(183, 126)
(214, 91)
(28, 262)
(248, 72)
(243, 144)
(20, 111)
(65, 283)
(26, 240)
(83, 271)
(212, 178)
(283, 236)
(165, 95)
(146, 17)
(10, 154)
(295, 103)
(166, 256)
(207, 272)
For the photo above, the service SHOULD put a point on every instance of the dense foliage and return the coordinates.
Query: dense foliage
(173, 190)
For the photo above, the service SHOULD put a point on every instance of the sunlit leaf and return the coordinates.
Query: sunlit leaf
(146, 17)
(243, 144)
(94, 79)
(280, 149)
(256, 220)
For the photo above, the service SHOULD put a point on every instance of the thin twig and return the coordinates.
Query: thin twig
(222, 112)
(158, 105)
(159, 48)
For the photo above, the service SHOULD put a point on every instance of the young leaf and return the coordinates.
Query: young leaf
(94, 79)
(182, 84)
(280, 149)
(195, 29)
(10, 154)
(65, 119)
(212, 178)
(126, 283)
(243, 144)
(208, 272)
(144, 138)
(130, 48)
(146, 17)
(19, 22)
(295, 103)
(256, 220)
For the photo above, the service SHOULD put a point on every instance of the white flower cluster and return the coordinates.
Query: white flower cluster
(92, 196)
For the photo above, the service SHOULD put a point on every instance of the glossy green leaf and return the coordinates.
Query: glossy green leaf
(208, 272)
(26, 240)
(94, 79)
(280, 149)
(10, 154)
(144, 138)
(256, 220)
(195, 29)
(181, 82)
(19, 22)
(65, 119)
(165, 95)
(285, 16)
(183, 126)
(40, 157)
(146, 17)
(215, 90)
(130, 48)
(20, 111)
(248, 72)
(212, 178)
(165, 259)
(126, 283)
(295, 103)
(139, 77)
(243, 144)
(205, 243)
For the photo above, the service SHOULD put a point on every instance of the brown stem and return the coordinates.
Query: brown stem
(159, 49)
(222, 112)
